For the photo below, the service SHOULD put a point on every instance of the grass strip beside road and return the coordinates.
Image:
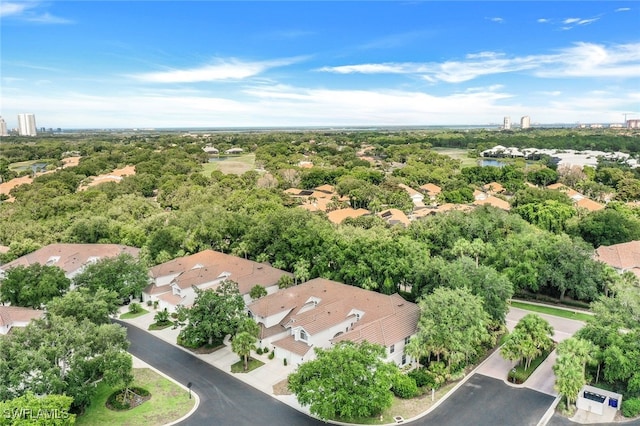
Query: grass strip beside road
(168, 402)
(550, 310)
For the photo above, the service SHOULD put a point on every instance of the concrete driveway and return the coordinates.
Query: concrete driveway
(543, 379)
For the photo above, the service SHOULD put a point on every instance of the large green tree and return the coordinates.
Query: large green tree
(82, 304)
(531, 337)
(453, 324)
(569, 377)
(34, 410)
(214, 314)
(123, 274)
(59, 355)
(33, 286)
(348, 381)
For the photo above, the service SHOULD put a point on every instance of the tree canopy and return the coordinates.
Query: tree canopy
(33, 286)
(123, 274)
(214, 314)
(348, 381)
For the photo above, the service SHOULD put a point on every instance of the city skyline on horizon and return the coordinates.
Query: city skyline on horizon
(318, 64)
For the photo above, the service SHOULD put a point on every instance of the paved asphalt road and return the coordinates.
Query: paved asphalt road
(485, 401)
(225, 400)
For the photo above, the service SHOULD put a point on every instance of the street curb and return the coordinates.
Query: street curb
(549, 413)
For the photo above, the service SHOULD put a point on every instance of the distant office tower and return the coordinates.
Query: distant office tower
(525, 122)
(27, 125)
(3, 128)
(507, 123)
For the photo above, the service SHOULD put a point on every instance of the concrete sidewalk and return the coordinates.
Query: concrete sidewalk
(263, 378)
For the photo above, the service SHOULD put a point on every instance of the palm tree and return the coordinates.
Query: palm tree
(242, 344)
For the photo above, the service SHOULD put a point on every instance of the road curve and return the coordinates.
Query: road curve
(224, 400)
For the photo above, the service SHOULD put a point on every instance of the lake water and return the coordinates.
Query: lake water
(494, 163)
(497, 163)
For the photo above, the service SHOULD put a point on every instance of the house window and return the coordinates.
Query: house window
(392, 349)
(404, 359)
(303, 335)
(407, 339)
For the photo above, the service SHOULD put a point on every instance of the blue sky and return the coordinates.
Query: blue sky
(157, 64)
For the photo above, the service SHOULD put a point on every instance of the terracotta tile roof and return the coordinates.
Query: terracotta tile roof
(624, 256)
(325, 188)
(412, 192)
(495, 202)
(337, 216)
(395, 217)
(335, 302)
(493, 187)
(290, 344)
(431, 189)
(71, 257)
(319, 205)
(589, 204)
(388, 330)
(12, 314)
(172, 299)
(571, 193)
(208, 265)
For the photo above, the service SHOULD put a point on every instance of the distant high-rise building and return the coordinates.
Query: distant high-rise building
(27, 125)
(507, 123)
(633, 124)
(3, 128)
(525, 122)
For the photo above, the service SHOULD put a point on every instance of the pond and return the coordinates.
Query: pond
(485, 162)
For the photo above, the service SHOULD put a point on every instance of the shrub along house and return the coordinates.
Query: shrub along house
(173, 281)
(321, 312)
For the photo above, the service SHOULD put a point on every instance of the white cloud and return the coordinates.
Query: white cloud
(232, 69)
(13, 8)
(543, 20)
(580, 60)
(623, 9)
(29, 11)
(496, 19)
(587, 21)
(47, 18)
(571, 20)
(383, 68)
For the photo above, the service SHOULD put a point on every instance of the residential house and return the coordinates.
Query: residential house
(493, 188)
(338, 216)
(16, 316)
(416, 196)
(493, 201)
(233, 151)
(589, 205)
(395, 217)
(571, 193)
(173, 281)
(211, 150)
(71, 258)
(431, 190)
(320, 313)
(622, 257)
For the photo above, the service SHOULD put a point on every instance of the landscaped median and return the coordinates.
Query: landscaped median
(167, 402)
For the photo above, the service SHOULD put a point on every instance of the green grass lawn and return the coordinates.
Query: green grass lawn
(129, 315)
(168, 402)
(458, 154)
(156, 326)
(21, 166)
(231, 165)
(550, 310)
(238, 367)
(522, 374)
